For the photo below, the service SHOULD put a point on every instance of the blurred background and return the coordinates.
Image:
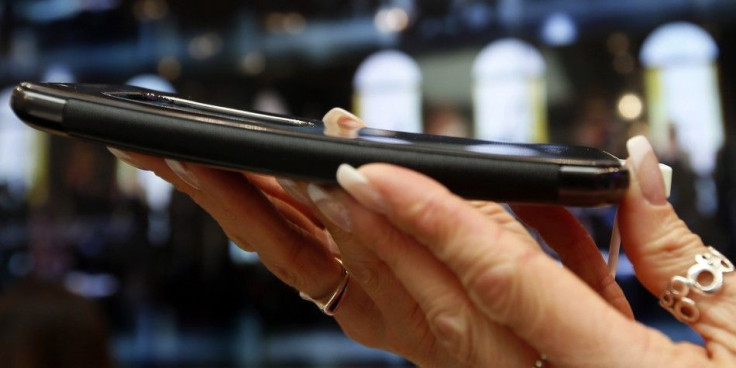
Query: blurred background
(141, 277)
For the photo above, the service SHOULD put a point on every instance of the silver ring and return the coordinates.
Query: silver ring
(676, 298)
(329, 304)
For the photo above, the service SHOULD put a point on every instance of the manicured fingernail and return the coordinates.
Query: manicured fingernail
(360, 188)
(341, 123)
(120, 154)
(646, 167)
(350, 124)
(348, 127)
(330, 207)
(180, 169)
(291, 188)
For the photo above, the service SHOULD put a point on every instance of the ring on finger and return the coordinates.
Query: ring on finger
(704, 277)
(329, 304)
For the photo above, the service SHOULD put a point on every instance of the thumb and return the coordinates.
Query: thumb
(657, 241)
(660, 245)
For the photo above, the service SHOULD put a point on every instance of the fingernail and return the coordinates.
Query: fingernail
(293, 189)
(349, 124)
(342, 123)
(330, 207)
(120, 154)
(646, 167)
(180, 169)
(360, 188)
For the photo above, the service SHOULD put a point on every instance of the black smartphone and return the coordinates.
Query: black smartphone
(166, 125)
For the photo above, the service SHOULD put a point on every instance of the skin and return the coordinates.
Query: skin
(447, 282)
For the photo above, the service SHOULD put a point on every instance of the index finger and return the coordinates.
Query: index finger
(506, 276)
(296, 255)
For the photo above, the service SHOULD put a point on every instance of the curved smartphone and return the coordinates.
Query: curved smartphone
(170, 126)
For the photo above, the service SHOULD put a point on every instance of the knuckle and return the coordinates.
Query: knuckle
(496, 285)
(493, 210)
(453, 332)
(424, 209)
(672, 237)
(430, 214)
(365, 274)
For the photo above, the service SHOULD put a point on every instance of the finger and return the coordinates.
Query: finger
(338, 123)
(576, 249)
(506, 276)
(290, 255)
(500, 215)
(250, 219)
(341, 123)
(658, 243)
(178, 174)
(400, 276)
(274, 187)
(278, 190)
(660, 246)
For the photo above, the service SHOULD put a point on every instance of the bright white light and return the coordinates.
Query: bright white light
(151, 81)
(630, 106)
(508, 75)
(391, 20)
(388, 85)
(559, 30)
(58, 74)
(239, 256)
(678, 43)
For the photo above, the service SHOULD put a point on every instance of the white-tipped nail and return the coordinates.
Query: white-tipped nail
(330, 207)
(180, 169)
(336, 113)
(291, 188)
(646, 168)
(120, 154)
(342, 123)
(360, 188)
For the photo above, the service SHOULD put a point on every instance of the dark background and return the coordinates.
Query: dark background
(165, 285)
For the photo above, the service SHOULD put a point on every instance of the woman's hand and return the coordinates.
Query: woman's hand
(489, 295)
(274, 218)
(445, 282)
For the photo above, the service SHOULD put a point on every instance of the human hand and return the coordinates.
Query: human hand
(273, 217)
(379, 309)
(477, 289)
